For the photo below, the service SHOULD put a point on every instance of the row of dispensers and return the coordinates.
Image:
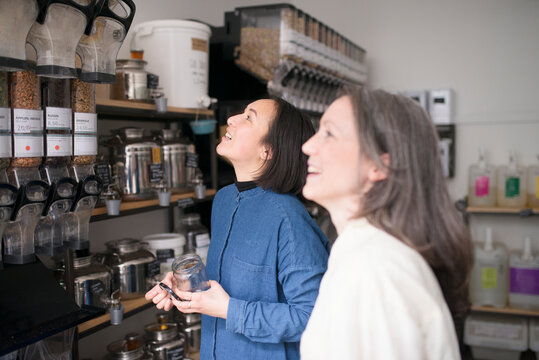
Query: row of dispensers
(45, 210)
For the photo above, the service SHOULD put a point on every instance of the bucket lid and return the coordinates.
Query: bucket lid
(146, 28)
(164, 241)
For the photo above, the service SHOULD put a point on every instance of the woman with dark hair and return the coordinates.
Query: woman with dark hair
(267, 256)
(399, 269)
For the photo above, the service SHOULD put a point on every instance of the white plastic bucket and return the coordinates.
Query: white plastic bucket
(165, 247)
(178, 52)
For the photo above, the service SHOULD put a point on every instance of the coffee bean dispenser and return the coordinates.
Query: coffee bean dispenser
(5, 126)
(99, 49)
(16, 19)
(56, 33)
(8, 196)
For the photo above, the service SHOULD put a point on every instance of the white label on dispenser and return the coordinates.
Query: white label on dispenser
(5, 145)
(28, 145)
(27, 121)
(5, 119)
(85, 145)
(59, 145)
(58, 118)
(85, 123)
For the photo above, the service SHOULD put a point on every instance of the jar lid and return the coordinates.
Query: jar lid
(118, 349)
(161, 331)
(129, 132)
(82, 261)
(123, 246)
(131, 64)
(164, 241)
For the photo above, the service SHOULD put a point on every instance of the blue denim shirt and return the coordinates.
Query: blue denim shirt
(269, 256)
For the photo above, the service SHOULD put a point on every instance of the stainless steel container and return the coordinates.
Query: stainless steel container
(179, 172)
(164, 341)
(131, 81)
(92, 282)
(190, 323)
(129, 266)
(121, 350)
(130, 159)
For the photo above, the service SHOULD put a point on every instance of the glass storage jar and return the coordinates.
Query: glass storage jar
(56, 99)
(84, 123)
(196, 235)
(27, 119)
(5, 122)
(190, 273)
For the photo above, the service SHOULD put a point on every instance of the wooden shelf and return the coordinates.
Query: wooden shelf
(502, 210)
(107, 108)
(131, 307)
(130, 206)
(506, 310)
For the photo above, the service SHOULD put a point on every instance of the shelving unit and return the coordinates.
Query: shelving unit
(502, 211)
(506, 310)
(114, 109)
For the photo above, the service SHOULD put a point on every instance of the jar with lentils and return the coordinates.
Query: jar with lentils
(56, 98)
(27, 119)
(5, 122)
(84, 123)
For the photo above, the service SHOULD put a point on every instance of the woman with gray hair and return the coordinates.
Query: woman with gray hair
(399, 270)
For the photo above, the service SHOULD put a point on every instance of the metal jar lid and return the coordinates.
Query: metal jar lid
(129, 132)
(161, 331)
(82, 262)
(123, 246)
(131, 64)
(118, 350)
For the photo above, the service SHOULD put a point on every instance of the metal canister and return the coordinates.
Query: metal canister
(129, 266)
(119, 350)
(190, 323)
(131, 80)
(164, 341)
(92, 282)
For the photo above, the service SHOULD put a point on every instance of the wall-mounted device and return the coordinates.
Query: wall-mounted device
(441, 106)
(421, 96)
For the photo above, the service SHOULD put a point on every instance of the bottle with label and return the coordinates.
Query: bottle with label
(196, 235)
(533, 185)
(511, 184)
(490, 276)
(5, 125)
(27, 119)
(482, 183)
(524, 278)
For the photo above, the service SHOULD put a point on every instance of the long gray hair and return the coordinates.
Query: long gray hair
(413, 203)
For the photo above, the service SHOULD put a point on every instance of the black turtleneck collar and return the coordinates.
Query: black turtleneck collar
(245, 185)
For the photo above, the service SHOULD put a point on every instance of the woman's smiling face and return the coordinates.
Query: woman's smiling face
(243, 144)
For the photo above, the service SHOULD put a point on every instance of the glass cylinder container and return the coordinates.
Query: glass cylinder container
(84, 123)
(190, 273)
(196, 235)
(27, 119)
(56, 99)
(5, 123)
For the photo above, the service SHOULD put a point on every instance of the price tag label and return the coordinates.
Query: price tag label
(184, 203)
(191, 160)
(103, 171)
(156, 173)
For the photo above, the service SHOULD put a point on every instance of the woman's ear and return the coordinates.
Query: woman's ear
(377, 173)
(265, 153)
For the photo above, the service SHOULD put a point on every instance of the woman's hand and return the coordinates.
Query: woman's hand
(160, 297)
(212, 302)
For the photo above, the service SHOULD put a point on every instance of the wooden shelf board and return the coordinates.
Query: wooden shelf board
(131, 205)
(498, 210)
(137, 105)
(506, 310)
(129, 305)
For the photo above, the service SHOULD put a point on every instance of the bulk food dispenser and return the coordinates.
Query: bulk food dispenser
(98, 49)
(16, 19)
(56, 33)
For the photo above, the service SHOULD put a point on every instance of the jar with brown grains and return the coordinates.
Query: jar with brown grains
(56, 96)
(27, 119)
(5, 122)
(84, 123)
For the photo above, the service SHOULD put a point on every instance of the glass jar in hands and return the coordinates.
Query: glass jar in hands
(190, 273)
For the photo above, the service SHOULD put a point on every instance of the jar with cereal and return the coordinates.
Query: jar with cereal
(84, 125)
(5, 123)
(56, 98)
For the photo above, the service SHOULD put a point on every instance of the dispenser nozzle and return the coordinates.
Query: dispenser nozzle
(488, 239)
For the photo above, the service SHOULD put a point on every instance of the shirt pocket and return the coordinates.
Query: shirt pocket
(252, 282)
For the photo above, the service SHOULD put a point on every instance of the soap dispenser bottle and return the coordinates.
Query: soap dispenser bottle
(490, 277)
(511, 184)
(533, 185)
(482, 183)
(524, 278)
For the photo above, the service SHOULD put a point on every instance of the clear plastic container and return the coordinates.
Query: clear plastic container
(190, 273)
(196, 235)
(490, 276)
(482, 183)
(5, 123)
(533, 185)
(27, 119)
(56, 98)
(84, 123)
(511, 184)
(524, 278)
